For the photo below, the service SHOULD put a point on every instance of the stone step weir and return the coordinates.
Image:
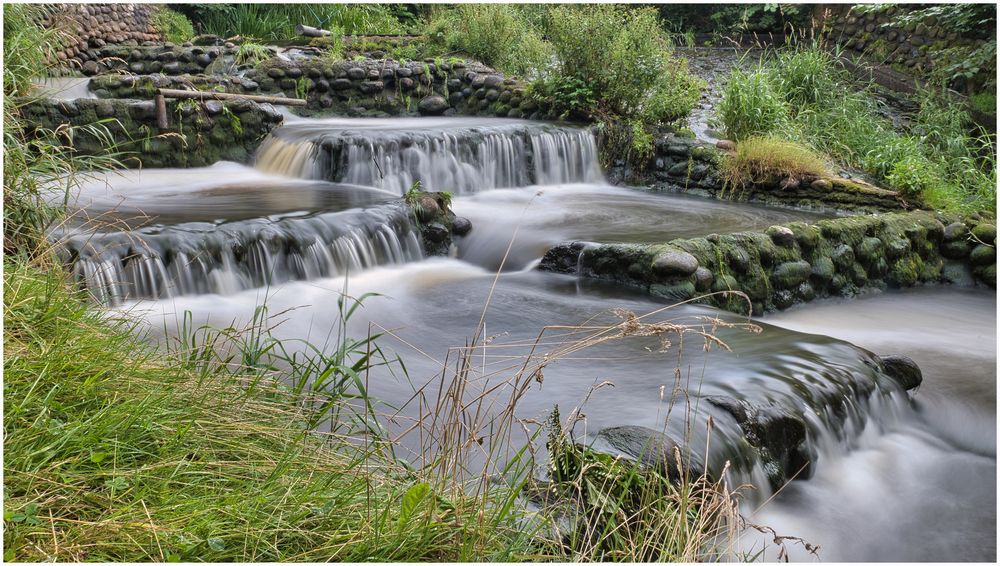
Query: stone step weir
(159, 262)
(459, 155)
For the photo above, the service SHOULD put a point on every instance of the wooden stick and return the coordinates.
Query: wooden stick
(201, 95)
(161, 112)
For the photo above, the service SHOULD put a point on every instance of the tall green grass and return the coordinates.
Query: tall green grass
(113, 452)
(803, 95)
(274, 22)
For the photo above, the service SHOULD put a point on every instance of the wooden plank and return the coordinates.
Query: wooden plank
(201, 95)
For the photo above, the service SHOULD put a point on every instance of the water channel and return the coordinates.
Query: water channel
(892, 479)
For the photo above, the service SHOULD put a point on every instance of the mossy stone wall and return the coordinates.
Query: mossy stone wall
(199, 133)
(797, 262)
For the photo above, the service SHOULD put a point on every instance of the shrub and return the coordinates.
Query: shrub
(751, 105)
(673, 96)
(569, 97)
(172, 26)
(765, 159)
(622, 53)
(496, 34)
(985, 102)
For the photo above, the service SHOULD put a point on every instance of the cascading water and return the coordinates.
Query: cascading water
(197, 258)
(457, 155)
(206, 249)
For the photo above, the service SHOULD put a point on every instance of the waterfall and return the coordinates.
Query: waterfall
(467, 156)
(198, 258)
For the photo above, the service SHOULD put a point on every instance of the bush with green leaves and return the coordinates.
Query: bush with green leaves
(497, 34)
(625, 56)
(172, 26)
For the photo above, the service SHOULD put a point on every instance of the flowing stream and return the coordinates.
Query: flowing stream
(891, 480)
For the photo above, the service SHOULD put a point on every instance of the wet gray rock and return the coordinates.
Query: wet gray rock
(563, 258)
(703, 278)
(651, 448)
(903, 371)
(675, 263)
(955, 231)
(461, 226)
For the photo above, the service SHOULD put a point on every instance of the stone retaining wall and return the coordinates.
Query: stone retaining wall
(199, 133)
(369, 87)
(85, 28)
(797, 262)
(914, 48)
(162, 58)
(385, 86)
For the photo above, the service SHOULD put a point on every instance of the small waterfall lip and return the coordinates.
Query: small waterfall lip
(219, 193)
(459, 155)
(165, 261)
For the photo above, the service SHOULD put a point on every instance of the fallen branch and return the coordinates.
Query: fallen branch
(202, 95)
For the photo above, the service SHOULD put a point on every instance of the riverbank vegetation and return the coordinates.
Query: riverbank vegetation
(805, 96)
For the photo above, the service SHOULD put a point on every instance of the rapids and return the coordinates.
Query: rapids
(892, 479)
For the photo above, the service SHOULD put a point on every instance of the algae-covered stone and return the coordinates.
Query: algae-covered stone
(985, 233)
(988, 274)
(823, 269)
(956, 249)
(840, 284)
(897, 248)
(869, 250)
(674, 263)
(791, 274)
(903, 371)
(805, 292)
(703, 278)
(783, 299)
(781, 236)
(806, 235)
(680, 291)
(725, 283)
(955, 231)
(905, 272)
(843, 257)
(983, 255)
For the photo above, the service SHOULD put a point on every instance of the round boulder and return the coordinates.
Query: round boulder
(433, 105)
(675, 263)
(461, 226)
(782, 236)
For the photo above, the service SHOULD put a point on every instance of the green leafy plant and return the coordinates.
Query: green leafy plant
(497, 34)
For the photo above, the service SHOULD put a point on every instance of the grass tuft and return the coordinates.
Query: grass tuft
(765, 160)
